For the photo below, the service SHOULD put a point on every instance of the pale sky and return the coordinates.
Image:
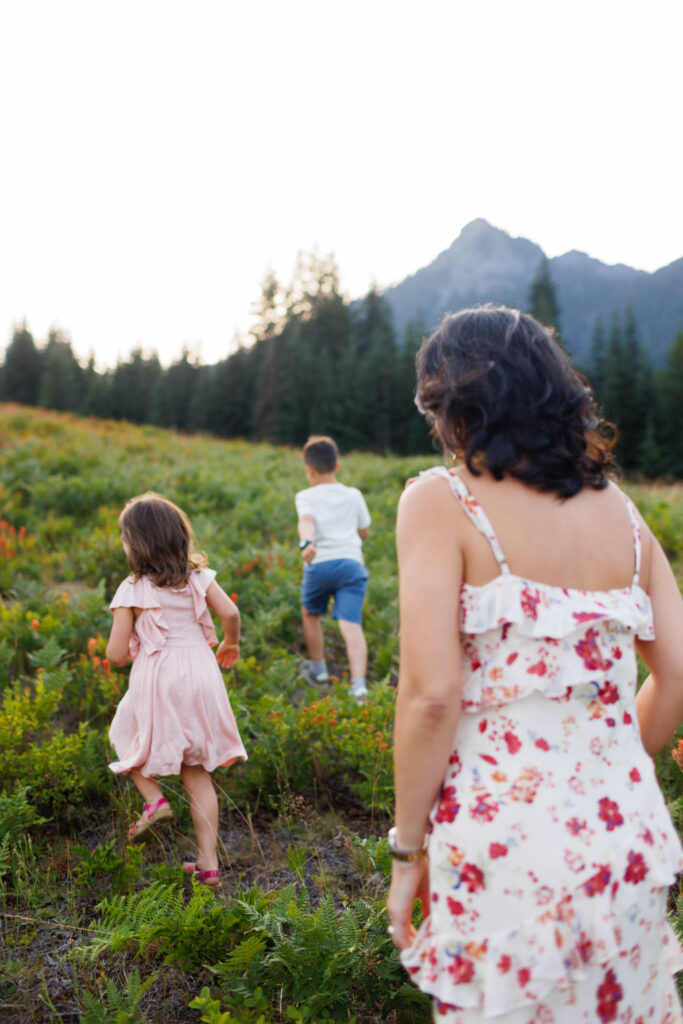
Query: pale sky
(158, 157)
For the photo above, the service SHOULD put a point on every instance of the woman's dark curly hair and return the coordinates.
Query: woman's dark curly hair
(160, 542)
(501, 393)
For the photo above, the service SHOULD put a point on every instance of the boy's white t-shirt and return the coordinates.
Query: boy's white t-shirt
(339, 512)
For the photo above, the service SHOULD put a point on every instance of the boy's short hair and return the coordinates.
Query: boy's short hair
(321, 454)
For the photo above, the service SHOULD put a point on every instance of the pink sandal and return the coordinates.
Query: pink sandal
(210, 878)
(152, 814)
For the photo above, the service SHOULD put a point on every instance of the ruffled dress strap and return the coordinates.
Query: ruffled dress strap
(473, 509)
(637, 538)
(199, 582)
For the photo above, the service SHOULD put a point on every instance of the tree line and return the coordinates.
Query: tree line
(317, 363)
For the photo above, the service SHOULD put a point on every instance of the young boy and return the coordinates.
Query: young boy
(333, 520)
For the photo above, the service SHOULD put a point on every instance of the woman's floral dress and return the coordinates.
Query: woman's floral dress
(551, 847)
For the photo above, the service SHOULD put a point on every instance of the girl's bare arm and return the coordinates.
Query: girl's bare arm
(227, 611)
(119, 638)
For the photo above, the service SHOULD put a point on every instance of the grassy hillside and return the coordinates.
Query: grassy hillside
(100, 932)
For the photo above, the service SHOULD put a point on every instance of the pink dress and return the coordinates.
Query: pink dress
(551, 847)
(176, 709)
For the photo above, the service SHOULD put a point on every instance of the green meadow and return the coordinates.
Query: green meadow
(97, 931)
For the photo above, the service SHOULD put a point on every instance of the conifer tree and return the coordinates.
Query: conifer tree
(60, 375)
(21, 374)
(543, 303)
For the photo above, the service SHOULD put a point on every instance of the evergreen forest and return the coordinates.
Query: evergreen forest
(316, 362)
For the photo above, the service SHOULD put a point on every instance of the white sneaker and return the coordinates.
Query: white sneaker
(306, 672)
(360, 693)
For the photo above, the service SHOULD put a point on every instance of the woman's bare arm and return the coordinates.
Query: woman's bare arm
(660, 699)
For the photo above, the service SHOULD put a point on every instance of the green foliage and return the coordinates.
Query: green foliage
(112, 1005)
(17, 814)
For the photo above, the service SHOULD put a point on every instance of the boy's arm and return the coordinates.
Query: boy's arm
(306, 529)
(363, 518)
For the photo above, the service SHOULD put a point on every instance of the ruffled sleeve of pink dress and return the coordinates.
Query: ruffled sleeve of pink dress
(551, 848)
(176, 710)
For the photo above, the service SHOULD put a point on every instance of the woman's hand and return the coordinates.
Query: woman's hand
(409, 882)
(227, 654)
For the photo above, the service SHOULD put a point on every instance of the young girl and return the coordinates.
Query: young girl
(176, 717)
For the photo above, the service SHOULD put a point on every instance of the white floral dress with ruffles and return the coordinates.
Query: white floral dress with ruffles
(551, 848)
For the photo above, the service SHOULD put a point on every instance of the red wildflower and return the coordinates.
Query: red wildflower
(35, 623)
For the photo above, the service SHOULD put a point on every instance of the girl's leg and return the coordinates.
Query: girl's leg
(149, 789)
(204, 811)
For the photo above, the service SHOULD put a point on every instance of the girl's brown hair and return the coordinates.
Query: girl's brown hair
(159, 540)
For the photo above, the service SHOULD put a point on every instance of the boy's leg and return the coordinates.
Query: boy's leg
(313, 634)
(356, 647)
(204, 811)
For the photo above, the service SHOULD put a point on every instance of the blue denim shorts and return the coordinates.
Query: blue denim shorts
(341, 578)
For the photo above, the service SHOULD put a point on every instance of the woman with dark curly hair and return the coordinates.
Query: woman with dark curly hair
(528, 818)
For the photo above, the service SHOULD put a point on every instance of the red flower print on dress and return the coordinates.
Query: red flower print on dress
(525, 787)
(461, 970)
(598, 882)
(512, 741)
(582, 617)
(448, 806)
(530, 602)
(455, 906)
(511, 658)
(608, 693)
(634, 775)
(542, 744)
(610, 993)
(497, 850)
(504, 964)
(609, 813)
(637, 868)
(523, 976)
(539, 669)
(485, 809)
(589, 652)
(472, 877)
(576, 827)
(584, 948)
